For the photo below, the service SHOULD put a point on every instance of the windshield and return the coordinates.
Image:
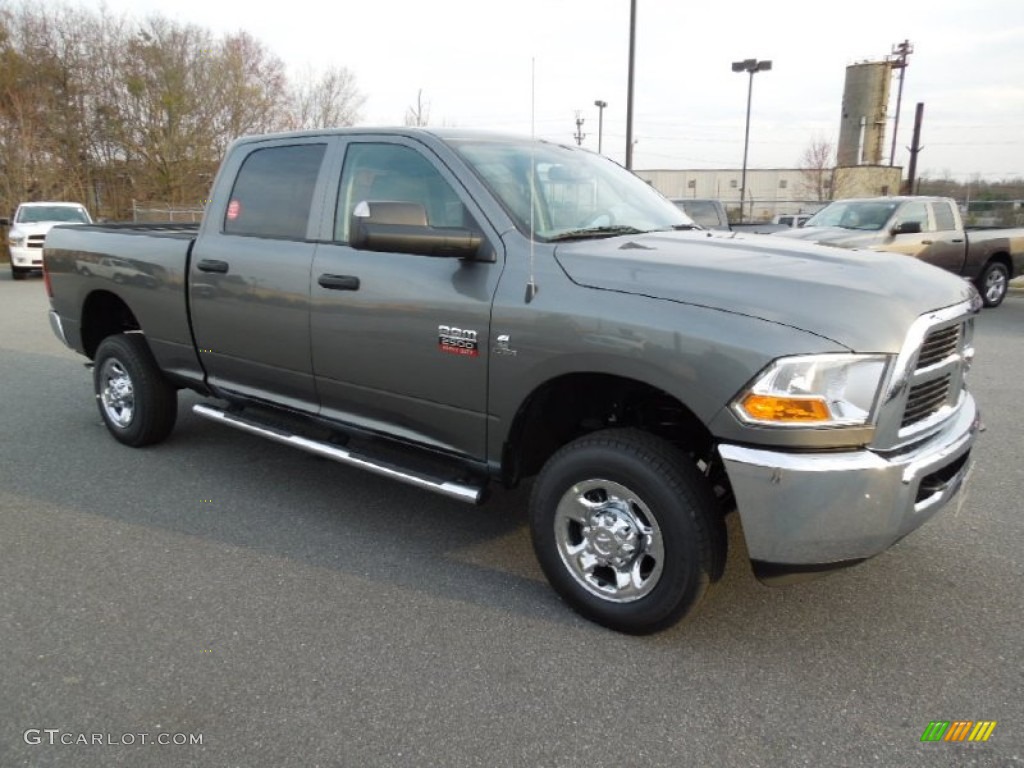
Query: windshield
(576, 193)
(34, 214)
(854, 214)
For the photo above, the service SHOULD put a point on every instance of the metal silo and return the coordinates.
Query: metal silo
(865, 101)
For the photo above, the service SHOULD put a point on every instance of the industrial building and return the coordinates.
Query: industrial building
(772, 191)
(860, 170)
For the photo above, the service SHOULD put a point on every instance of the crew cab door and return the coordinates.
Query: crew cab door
(250, 271)
(948, 248)
(400, 340)
(937, 242)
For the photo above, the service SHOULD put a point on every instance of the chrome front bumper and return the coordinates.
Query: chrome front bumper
(807, 509)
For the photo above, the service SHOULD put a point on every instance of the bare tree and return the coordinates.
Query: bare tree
(418, 115)
(104, 109)
(816, 168)
(327, 100)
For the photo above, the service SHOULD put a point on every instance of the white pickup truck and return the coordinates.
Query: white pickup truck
(28, 230)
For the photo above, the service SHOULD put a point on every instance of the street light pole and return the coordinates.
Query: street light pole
(629, 87)
(752, 66)
(600, 121)
(900, 53)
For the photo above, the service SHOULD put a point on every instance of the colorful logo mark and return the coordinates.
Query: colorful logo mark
(958, 730)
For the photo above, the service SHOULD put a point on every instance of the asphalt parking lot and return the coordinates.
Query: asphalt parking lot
(288, 611)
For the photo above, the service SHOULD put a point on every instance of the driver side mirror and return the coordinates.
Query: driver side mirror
(906, 228)
(399, 227)
(5, 222)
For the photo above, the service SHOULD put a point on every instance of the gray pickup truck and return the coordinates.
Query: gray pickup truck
(453, 309)
(926, 228)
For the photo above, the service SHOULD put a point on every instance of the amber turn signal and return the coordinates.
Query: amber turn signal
(786, 410)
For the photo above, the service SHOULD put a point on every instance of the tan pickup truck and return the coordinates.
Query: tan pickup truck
(927, 228)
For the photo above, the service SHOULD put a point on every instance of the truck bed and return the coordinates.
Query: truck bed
(180, 230)
(145, 266)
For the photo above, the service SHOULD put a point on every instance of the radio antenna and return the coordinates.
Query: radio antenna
(531, 285)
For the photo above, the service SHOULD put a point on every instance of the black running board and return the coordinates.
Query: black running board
(463, 491)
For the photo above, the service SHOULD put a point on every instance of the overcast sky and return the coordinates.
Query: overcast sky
(472, 59)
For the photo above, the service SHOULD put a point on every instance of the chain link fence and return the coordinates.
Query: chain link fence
(993, 213)
(160, 212)
(764, 211)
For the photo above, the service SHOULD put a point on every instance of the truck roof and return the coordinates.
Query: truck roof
(894, 198)
(443, 134)
(37, 203)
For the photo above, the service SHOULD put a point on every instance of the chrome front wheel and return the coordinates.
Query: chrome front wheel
(609, 540)
(626, 529)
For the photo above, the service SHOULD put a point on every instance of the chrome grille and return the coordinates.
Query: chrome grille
(939, 345)
(926, 387)
(35, 241)
(925, 399)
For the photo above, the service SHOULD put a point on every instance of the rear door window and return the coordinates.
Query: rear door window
(944, 220)
(273, 192)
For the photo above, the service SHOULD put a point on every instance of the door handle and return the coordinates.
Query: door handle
(212, 265)
(926, 242)
(958, 239)
(339, 282)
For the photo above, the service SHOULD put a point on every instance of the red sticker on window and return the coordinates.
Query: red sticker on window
(234, 208)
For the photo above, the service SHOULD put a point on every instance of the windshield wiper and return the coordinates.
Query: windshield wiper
(582, 234)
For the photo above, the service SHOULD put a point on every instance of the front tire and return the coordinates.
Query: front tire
(993, 284)
(18, 274)
(627, 530)
(138, 405)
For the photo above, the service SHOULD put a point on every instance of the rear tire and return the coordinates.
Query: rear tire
(627, 530)
(138, 405)
(993, 284)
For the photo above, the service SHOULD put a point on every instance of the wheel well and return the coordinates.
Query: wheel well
(104, 314)
(573, 405)
(1002, 258)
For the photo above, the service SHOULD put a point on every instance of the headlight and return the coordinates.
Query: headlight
(836, 390)
(17, 240)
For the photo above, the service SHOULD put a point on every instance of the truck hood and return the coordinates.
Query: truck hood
(863, 300)
(838, 236)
